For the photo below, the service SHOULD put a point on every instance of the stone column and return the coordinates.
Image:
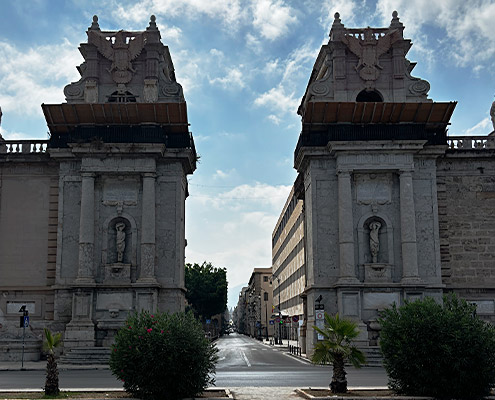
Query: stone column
(86, 229)
(148, 230)
(346, 229)
(408, 229)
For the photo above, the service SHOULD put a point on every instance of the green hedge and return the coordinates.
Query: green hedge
(444, 351)
(163, 356)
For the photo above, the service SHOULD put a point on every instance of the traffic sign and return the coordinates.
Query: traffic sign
(277, 320)
(272, 322)
(295, 318)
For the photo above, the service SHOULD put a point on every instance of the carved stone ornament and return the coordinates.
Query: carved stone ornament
(419, 87)
(91, 92)
(150, 91)
(321, 87)
(369, 49)
(121, 52)
(492, 114)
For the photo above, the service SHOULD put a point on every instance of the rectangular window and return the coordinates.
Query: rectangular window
(266, 296)
(265, 278)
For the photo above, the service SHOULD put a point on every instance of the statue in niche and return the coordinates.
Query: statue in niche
(374, 240)
(120, 241)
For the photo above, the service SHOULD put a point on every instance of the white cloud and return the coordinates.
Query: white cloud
(171, 34)
(346, 9)
(482, 128)
(272, 18)
(8, 135)
(276, 120)
(282, 99)
(233, 80)
(34, 76)
(467, 27)
(229, 12)
(278, 99)
(233, 228)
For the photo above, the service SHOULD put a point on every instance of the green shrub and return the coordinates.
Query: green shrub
(163, 356)
(444, 351)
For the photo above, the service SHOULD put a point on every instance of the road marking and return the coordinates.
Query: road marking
(297, 359)
(245, 358)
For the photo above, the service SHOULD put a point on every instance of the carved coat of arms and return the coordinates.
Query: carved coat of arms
(369, 49)
(121, 52)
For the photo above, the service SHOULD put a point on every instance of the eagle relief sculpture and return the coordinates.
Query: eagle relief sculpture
(121, 52)
(369, 49)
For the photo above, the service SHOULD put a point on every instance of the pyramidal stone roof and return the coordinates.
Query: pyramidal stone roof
(125, 67)
(365, 64)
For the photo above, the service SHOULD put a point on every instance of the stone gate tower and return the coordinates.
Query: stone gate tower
(367, 164)
(105, 229)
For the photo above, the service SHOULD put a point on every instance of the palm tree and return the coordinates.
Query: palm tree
(51, 383)
(336, 348)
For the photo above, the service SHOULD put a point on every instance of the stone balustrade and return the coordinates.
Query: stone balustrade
(471, 142)
(23, 146)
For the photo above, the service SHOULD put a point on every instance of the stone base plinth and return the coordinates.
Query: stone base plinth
(11, 349)
(79, 334)
(117, 273)
(377, 272)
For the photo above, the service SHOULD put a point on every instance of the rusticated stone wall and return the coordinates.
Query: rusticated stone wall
(466, 202)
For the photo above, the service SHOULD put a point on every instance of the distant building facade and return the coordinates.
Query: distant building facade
(92, 220)
(288, 262)
(255, 305)
(393, 209)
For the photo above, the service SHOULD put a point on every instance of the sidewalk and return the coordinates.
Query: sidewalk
(41, 365)
(284, 347)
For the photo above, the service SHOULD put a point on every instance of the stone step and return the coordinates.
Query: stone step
(374, 357)
(86, 355)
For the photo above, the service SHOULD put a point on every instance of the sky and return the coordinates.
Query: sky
(244, 66)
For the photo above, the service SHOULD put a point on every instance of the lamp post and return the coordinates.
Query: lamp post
(259, 320)
(266, 312)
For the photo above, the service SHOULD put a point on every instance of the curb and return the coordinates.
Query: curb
(305, 395)
(3, 393)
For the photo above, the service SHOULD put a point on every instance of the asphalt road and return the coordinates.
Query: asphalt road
(242, 362)
(246, 362)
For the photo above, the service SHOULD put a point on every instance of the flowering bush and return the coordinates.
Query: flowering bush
(161, 356)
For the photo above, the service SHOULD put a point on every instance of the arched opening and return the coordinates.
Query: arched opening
(371, 96)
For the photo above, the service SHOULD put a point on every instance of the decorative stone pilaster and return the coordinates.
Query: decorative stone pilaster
(346, 229)
(86, 230)
(148, 230)
(408, 229)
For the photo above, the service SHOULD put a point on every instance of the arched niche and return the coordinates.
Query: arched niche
(372, 96)
(109, 245)
(385, 256)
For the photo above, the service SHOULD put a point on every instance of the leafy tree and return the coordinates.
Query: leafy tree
(336, 348)
(206, 289)
(443, 351)
(51, 383)
(162, 355)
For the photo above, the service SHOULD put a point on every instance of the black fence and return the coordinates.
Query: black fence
(322, 135)
(123, 134)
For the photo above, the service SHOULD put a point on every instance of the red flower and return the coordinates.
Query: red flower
(149, 330)
(130, 327)
(152, 316)
(161, 331)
